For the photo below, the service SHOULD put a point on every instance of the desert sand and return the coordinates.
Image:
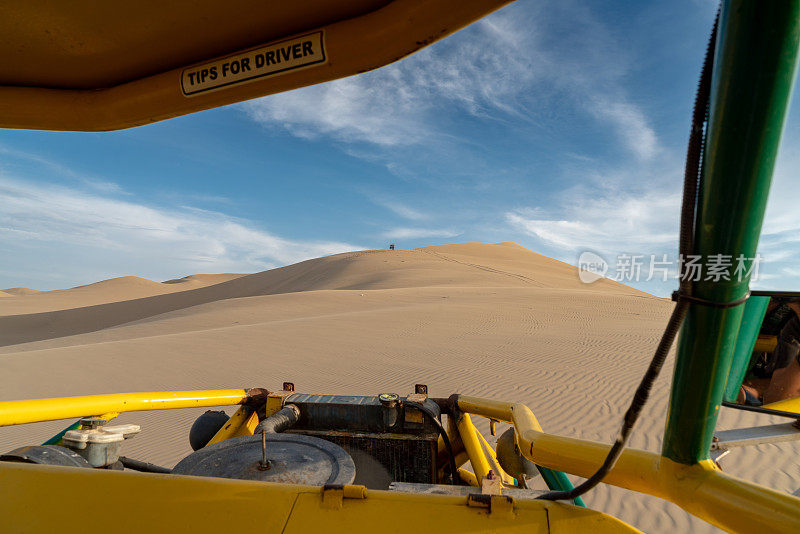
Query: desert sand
(498, 321)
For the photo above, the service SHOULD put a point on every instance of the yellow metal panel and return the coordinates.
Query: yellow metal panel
(85, 44)
(37, 499)
(32, 411)
(275, 402)
(242, 423)
(562, 520)
(766, 343)
(161, 503)
(352, 46)
(410, 513)
(788, 405)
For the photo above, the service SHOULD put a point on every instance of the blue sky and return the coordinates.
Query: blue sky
(559, 125)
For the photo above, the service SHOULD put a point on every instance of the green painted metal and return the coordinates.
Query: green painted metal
(56, 440)
(752, 317)
(754, 70)
(558, 481)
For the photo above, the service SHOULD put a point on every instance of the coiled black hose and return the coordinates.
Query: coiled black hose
(691, 183)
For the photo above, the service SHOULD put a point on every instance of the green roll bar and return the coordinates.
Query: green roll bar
(754, 70)
(752, 317)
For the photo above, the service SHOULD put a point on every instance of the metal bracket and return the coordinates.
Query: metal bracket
(497, 505)
(757, 435)
(275, 401)
(492, 484)
(333, 495)
(725, 440)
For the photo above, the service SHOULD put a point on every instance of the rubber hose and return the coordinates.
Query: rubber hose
(280, 420)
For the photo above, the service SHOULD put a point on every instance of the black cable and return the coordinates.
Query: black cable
(761, 409)
(691, 184)
(694, 158)
(677, 295)
(138, 465)
(442, 432)
(776, 294)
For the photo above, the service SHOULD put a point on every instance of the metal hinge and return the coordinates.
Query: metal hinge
(334, 494)
(499, 505)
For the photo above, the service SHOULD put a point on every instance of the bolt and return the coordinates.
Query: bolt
(92, 422)
(264, 464)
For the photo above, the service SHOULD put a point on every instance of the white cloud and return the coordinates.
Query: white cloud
(55, 168)
(407, 212)
(104, 187)
(73, 232)
(631, 124)
(613, 223)
(342, 110)
(395, 105)
(780, 235)
(504, 66)
(417, 233)
(610, 217)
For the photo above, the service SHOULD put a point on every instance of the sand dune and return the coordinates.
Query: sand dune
(50, 315)
(114, 290)
(493, 320)
(19, 291)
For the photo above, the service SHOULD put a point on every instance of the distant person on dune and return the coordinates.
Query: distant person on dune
(391, 247)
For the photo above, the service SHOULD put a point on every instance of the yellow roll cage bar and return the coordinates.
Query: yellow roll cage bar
(701, 489)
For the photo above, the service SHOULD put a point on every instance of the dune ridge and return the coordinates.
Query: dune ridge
(510, 265)
(119, 289)
(497, 321)
(19, 291)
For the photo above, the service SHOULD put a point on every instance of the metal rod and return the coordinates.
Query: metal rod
(760, 409)
(756, 435)
(32, 411)
(264, 464)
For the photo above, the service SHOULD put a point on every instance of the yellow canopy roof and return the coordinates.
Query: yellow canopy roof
(91, 65)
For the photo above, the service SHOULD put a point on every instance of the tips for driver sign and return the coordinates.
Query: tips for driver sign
(258, 63)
